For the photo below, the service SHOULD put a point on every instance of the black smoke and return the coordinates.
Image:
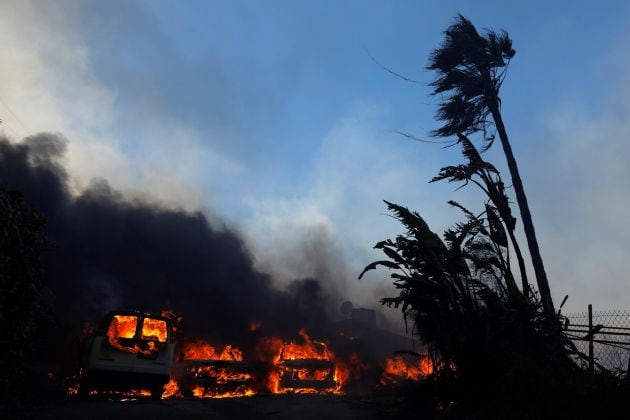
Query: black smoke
(109, 251)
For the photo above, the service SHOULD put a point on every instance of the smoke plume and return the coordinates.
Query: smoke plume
(109, 251)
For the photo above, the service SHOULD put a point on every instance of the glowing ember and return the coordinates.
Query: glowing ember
(174, 317)
(254, 326)
(201, 392)
(131, 393)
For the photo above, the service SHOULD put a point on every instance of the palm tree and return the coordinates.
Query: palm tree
(470, 70)
(487, 177)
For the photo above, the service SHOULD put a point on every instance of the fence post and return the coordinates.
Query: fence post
(591, 360)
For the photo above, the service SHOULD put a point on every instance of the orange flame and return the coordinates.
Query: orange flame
(222, 375)
(133, 393)
(154, 329)
(308, 367)
(202, 350)
(171, 390)
(399, 368)
(302, 366)
(201, 392)
(309, 350)
(124, 327)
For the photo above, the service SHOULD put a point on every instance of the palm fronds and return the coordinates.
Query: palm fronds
(470, 69)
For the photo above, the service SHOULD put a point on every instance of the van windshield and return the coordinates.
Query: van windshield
(154, 330)
(122, 326)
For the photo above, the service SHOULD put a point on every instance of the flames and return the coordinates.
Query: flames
(171, 390)
(154, 329)
(305, 367)
(208, 373)
(310, 349)
(273, 366)
(301, 366)
(202, 350)
(410, 368)
(123, 327)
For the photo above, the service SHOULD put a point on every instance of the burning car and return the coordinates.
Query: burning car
(203, 372)
(129, 351)
(307, 367)
(405, 366)
(307, 375)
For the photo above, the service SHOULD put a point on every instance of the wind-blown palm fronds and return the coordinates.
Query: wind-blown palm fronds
(445, 284)
(470, 69)
(460, 297)
(487, 178)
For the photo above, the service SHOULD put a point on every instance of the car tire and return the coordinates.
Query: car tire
(84, 390)
(157, 391)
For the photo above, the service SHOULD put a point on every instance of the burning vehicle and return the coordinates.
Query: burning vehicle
(405, 366)
(307, 367)
(130, 351)
(134, 354)
(307, 374)
(202, 372)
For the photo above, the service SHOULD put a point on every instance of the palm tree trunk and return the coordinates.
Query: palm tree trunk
(521, 198)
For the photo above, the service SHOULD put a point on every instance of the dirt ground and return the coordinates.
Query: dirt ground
(302, 407)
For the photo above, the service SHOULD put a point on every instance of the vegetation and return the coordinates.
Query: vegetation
(498, 350)
(470, 71)
(24, 310)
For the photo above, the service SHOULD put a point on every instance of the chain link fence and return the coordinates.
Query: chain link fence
(608, 332)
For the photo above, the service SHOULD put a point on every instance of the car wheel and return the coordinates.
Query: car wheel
(157, 391)
(84, 389)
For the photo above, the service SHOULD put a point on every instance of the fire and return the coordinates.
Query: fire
(154, 329)
(202, 350)
(201, 392)
(124, 395)
(216, 375)
(307, 367)
(309, 350)
(171, 390)
(123, 327)
(399, 368)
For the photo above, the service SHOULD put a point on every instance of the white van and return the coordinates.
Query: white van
(130, 350)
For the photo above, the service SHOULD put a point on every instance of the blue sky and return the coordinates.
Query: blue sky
(272, 116)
